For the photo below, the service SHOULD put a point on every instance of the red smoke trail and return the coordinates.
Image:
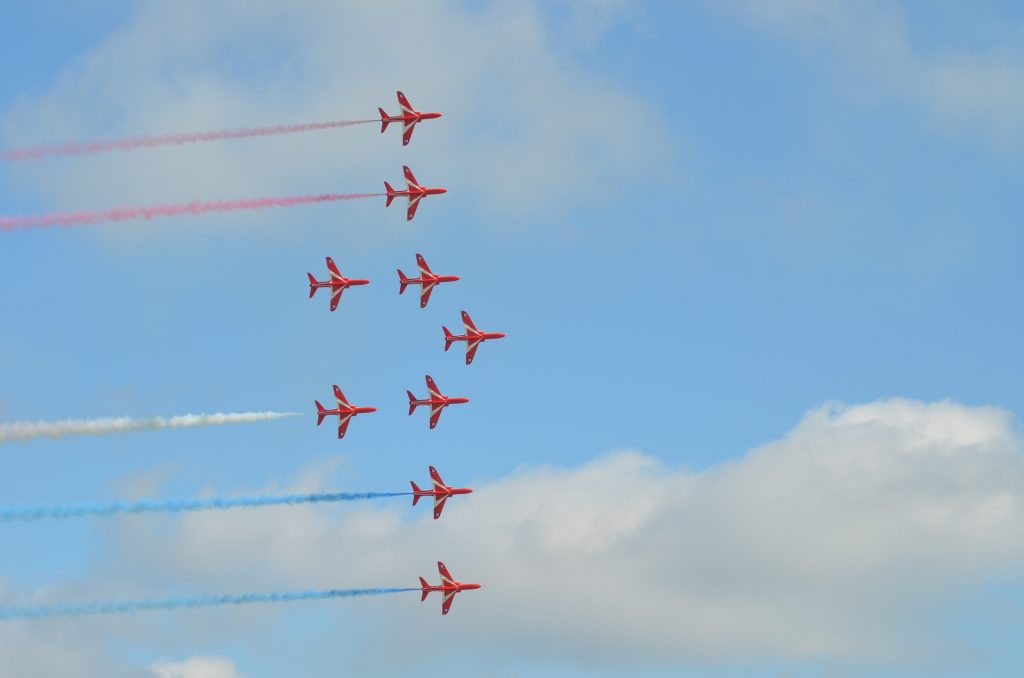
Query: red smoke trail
(195, 208)
(170, 140)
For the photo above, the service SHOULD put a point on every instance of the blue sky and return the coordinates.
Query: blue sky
(696, 224)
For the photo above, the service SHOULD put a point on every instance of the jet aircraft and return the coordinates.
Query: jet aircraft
(427, 280)
(345, 411)
(413, 190)
(473, 337)
(448, 588)
(435, 399)
(409, 117)
(440, 493)
(337, 283)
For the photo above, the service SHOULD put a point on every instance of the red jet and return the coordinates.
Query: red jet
(408, 118)
(345, 411)
(435, 399)
(473, 337)
(413, 190)
(426, 281)
(440, 493)
(337, 282)
(449, 587)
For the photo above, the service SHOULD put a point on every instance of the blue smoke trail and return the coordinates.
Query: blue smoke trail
(179, 505)
(128, 606)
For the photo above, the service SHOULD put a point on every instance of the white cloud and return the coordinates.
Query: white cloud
(526, 126)
(871, 48)
(196, 667)
(853, 539)
(57, 649)
(850, 539)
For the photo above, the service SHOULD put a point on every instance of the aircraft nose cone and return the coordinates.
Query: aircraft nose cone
(454, 278)
(442, 190)
(501, 335)
(371, 409)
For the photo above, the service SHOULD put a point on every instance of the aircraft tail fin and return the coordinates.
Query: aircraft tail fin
(426, 589)
(383, 120)
(391, 193)
(415, 489)
(403, 281)
(412, 402)
(320, 413)
(447, 338)
(312, 285)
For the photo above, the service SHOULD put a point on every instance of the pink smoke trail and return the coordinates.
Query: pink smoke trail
(195, 208)
(35, 153)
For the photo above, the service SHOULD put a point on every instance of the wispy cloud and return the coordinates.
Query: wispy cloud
(870, 46)
(196, 667)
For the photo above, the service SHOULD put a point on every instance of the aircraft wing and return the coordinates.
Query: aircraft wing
(435, 478)
(410, 179)
(425, 293)
(333, 268)
(403, 103)
(435, 414)
(468, 323)
(340, 397)
(425, 271)
(446, 602)
(432, 387)
(407, 131)
(471, 347)
(439, 505)
(446, 576)
(414, 202)
(343, 420)
(336, 296)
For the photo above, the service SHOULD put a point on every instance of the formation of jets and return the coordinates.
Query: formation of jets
(427, 280)
(448, 588)
(345, 410)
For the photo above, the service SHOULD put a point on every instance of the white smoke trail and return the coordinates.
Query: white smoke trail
(27, 430)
